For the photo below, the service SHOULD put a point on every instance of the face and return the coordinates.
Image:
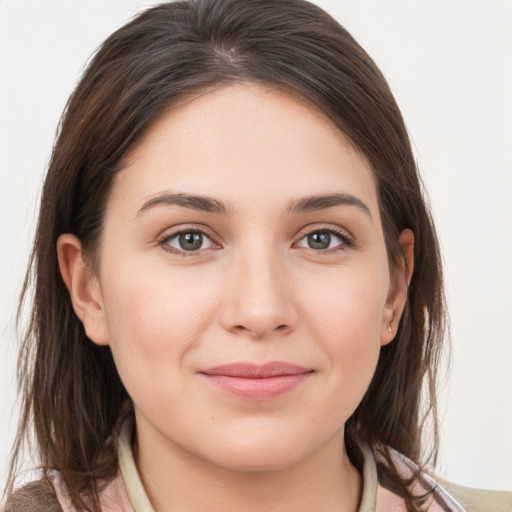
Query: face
(243, 280)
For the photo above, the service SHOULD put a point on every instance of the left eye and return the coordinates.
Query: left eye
(321, 240)
(189, 241)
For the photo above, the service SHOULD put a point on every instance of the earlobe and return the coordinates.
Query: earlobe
(83, 287)
(398, 296)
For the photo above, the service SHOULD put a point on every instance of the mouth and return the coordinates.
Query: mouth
(257, 382)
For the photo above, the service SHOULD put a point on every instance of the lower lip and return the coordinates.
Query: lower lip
(258, 388)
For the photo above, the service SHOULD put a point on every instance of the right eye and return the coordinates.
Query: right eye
(188, 241)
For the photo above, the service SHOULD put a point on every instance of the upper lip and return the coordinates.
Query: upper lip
(250, 370)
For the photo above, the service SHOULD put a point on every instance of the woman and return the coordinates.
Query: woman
(238, 284)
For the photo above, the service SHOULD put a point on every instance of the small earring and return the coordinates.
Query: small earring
(389, 328)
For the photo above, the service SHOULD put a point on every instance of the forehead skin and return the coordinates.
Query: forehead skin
(193, 145)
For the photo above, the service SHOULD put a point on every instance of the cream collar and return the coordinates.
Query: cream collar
(374, 497)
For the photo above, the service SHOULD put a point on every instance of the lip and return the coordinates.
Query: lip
(257, 382)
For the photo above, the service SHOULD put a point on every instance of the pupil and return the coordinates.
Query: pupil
(191, 241)
(319, 240)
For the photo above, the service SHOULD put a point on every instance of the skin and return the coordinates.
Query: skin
(255, 291)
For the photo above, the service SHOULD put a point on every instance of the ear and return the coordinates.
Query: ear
(83, 287)
(398, 289)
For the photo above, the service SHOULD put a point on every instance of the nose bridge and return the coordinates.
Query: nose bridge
(259, 299)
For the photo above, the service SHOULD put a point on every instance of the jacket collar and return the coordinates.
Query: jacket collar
(372, 499)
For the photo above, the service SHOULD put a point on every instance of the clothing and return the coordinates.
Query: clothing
(125, 492)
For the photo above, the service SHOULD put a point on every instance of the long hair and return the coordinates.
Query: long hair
(72, 396)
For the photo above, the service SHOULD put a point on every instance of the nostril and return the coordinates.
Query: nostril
(282, 328)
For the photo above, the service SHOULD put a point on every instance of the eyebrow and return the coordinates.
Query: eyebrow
(204, 203)
(320, 202)
(211, 205)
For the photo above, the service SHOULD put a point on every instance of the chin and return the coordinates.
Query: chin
(262, 453)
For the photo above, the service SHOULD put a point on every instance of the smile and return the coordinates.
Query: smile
(257, 382)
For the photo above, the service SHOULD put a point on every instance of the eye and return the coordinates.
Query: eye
(188, 241)
(323, 239)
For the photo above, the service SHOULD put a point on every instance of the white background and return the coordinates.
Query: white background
(449, 65)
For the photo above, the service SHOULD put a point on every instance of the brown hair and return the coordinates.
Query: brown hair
(72, 395)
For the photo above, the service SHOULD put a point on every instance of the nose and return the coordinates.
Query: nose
(259, 298)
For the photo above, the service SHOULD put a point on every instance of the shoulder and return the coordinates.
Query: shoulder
(38, 496)
(448, 496)
(51, 495)
(479, 500)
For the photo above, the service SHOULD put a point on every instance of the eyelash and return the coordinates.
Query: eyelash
(164, 241)
(346, 241)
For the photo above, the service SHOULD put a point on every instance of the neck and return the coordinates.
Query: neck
(177, 480)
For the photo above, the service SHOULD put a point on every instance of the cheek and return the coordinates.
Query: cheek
(348, 304)
(154, 318)
(345, 315)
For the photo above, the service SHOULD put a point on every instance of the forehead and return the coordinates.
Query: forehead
(241, 141)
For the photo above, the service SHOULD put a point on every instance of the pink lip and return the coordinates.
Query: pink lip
(257, 382)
